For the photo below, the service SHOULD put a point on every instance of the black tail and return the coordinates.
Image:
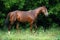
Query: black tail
(7, 20)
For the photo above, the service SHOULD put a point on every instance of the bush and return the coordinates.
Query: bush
(53, 7)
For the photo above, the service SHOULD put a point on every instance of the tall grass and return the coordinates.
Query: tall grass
(25, 34)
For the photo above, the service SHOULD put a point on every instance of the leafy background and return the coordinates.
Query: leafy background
(53, 7)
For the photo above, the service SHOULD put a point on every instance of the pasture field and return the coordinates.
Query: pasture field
(25, 34)
(51, 34)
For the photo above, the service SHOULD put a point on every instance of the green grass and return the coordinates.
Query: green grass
(51, 34)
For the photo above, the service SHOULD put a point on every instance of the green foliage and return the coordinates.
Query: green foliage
(6, 6)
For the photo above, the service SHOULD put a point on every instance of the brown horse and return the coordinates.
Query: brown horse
(25, 16)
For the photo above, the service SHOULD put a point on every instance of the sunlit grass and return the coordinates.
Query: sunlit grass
(52, 34)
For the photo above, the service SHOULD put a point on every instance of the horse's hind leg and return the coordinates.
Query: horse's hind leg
(35, 26)
(31, 23)
(9, 28)
(17, 26)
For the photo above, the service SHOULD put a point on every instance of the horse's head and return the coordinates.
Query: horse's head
(44, 11)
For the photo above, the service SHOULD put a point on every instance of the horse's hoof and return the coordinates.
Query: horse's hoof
(9, 32)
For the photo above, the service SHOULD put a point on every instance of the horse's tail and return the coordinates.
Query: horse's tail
(7, 20)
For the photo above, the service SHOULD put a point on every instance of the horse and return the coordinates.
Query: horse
(25, 16)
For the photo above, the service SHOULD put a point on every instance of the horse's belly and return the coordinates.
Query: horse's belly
(22, 19)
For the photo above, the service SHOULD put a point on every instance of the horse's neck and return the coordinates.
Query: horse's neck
(37, 11)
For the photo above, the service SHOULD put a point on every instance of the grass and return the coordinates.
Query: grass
(25, 34)
(52, 34)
